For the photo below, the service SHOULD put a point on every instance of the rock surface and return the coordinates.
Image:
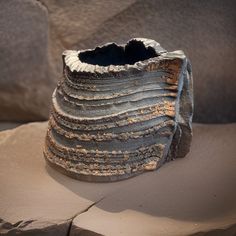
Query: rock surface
(26, 184)
(204, 30)
(8, 125)
(31, 55)
(35, 228)
(189, 195)
(186, 197)
(26, 81)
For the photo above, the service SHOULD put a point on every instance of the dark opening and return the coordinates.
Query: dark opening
(113, 54)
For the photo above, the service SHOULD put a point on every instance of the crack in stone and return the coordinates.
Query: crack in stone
(80, 213)
(22, 224)
(69, 227)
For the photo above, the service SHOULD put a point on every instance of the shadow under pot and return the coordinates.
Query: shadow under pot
(120, 110)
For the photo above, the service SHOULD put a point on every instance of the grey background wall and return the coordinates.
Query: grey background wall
(33, 35)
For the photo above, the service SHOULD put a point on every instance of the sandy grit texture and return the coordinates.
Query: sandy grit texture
(190, 196)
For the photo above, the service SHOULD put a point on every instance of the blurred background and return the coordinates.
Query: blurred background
(34, 33)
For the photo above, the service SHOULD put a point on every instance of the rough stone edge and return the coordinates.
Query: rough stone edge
(35, 227)
(77, 231)
(67, 228)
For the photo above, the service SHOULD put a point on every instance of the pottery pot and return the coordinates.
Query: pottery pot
(120, 110)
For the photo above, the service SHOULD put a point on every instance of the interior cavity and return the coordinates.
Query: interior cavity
(114, 54)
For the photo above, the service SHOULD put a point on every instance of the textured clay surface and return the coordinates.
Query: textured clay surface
(120, 110)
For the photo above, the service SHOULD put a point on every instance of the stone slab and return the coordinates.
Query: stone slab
(28, 191)
(27, 79)
(186, 196)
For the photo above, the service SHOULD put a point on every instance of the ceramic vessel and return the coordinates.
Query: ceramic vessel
(120, 110)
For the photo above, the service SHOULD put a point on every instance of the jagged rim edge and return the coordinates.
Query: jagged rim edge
(72, 61)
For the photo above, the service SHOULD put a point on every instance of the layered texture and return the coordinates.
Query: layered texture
(120, 110)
